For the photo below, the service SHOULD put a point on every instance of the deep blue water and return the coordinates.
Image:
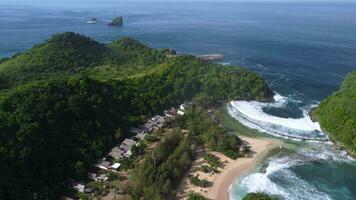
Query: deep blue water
(303, 50)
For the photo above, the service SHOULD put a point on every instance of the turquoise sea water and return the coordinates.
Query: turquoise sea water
(302, 49)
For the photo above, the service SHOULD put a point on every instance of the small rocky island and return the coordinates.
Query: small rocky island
(117, 21)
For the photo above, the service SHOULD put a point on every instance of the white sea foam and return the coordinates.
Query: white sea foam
(251, 114)
(293, 187)
(278, 179)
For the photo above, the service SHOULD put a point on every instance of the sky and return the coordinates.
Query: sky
(69, 2)
(103, 1)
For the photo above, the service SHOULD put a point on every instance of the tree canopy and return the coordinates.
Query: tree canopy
(337, 113)
(258, 196)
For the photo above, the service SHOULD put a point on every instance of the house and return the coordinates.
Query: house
(115, 166)
(125, 147)
(102, 177)
(155, 128)
(149, 125)
(78, 186)
(128, 154)
(92, 176)
(140, 136)
(116, 153)
(158, 119)
(180, 112)
(102, 164)
(129, 142)
(144, 129)
(151, 122)
(172, 113)
(88, 190)
(138, 130)
(158, 127)
(185, 106)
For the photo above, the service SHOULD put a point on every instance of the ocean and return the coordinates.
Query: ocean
(303, 50)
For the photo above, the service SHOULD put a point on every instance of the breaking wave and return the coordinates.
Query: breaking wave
(279, 179)
(251, 114)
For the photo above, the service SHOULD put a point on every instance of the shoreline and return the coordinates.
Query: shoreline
(229, 170)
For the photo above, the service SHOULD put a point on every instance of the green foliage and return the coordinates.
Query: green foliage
(62, 54)
(163, 169)
(212, 160)
(199, 182)
(52, 130)
(258, 196)
(206, 168)
(337, 114)
(98, 186)
(112, 176)
(126, 163)
(70, 53)
(210, 133)
(3, 60)
(195, 196)
(138, 150)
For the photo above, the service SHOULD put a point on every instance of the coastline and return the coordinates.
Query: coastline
(229, 169)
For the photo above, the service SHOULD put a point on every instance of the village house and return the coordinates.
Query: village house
(140, 136)
(138, 130)
(102, 164)
(92, 176)
(78, 186)
(185, 106)
(125, 147)
(150, 125)
(102, 177)
(116, 153)
(115, 166)
(143, 129)
(172, 113)
(129, 142)
(180, 112)
(128, 154)
(158, 119)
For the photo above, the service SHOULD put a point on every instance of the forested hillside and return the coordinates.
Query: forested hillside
(65, 102)
(337, 114)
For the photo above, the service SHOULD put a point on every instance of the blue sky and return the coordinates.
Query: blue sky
(66, 2)
(103, 1)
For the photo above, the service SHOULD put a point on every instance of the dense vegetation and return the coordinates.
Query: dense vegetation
(210, 134)
(258, 196)
(71, 53)
(65, 102)
(199, 182)
(51, 130)
(163, 169)
(195, 196)
(337, 114)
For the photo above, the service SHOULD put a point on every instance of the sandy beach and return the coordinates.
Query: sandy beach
(229, 169)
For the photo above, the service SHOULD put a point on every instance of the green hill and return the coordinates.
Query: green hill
(71, 53)
(337, 113)
(62, 53)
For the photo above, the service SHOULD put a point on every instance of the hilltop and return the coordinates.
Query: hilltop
(71, 53)
(337, 113)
